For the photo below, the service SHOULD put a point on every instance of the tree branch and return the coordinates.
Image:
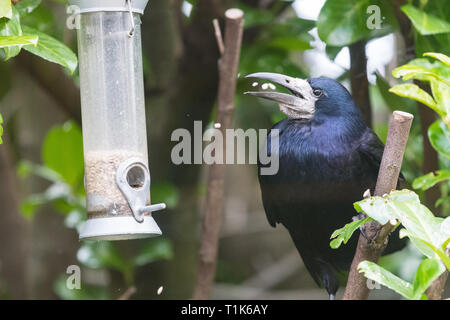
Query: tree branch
(128, 293)
(228, 67)
(434, 292)
(218, 35)
(388, 174)
(358, 79)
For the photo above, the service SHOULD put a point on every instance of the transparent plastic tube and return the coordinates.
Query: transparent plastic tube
(113, 106)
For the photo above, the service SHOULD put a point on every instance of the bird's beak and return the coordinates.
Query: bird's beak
(301, 100)
(290, 83)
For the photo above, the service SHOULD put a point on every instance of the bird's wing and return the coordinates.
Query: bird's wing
(268, 184)
(371, 148)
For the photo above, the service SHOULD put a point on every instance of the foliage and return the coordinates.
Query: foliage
(429, 234)
(437, 74)
(428, 271)
(424, 22)
(14, 41)
(345, 233)
(14, 36)
(50, 49)
(429, 180)
(43, 45)
(343, 22)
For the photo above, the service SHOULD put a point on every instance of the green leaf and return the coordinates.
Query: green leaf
(154, 250)
(423, 246)
(27, 6)
(441, 94)
(62, 151)
(429, 180)
(425, 24)
(290, 35)
(344, 234)
(437, 42)
(11, 41)
(11, 27)
(439, 135)
(405, 206)
(429, 249)
(428, 271)
(42, 19)
(5, 9)
(289, 44)
(52, 50)
(342, 22)
(438, 69)
(440, 56)
(409, 90)
(413, 71)
(376, 273)
(332, 51)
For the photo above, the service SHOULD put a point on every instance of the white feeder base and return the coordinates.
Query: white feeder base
(119, 228)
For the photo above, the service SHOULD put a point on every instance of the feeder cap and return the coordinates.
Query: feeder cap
(109, 5)
(119, 228)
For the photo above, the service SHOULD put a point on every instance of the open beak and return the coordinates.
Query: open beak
(298, 87)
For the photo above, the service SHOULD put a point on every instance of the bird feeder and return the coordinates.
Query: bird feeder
(117, 177)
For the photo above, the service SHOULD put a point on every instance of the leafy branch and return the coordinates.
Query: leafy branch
(14, 36)
(437, 74)
(429, 234)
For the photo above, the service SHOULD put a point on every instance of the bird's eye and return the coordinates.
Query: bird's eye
(317, 92)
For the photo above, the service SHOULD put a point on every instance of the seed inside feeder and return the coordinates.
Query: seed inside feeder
(104, 198)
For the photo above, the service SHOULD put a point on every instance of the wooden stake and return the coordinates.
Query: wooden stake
(388, 174)
(228, 67)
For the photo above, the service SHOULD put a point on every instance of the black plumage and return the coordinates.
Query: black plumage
(326, 162)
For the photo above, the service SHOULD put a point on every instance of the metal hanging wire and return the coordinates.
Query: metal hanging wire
(131, 33)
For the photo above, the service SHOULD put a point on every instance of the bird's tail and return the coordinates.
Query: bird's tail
(322, 272)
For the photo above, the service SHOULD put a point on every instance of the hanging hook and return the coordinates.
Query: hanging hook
(131, 33)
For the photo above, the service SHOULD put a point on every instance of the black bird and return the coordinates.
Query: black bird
(328, 157)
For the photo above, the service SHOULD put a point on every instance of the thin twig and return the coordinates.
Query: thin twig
(212, 222)
(128, 293)
(218, 34)
(388, 174)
